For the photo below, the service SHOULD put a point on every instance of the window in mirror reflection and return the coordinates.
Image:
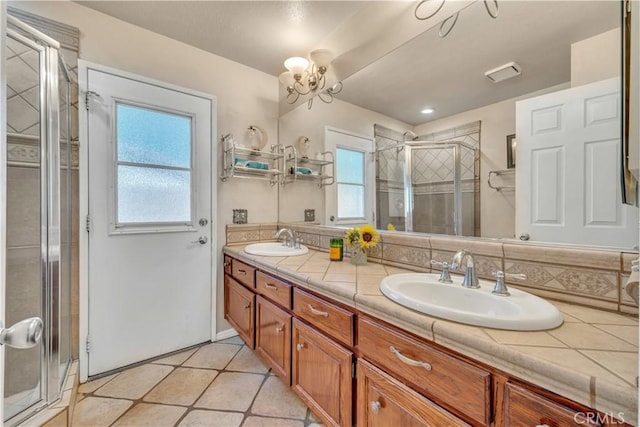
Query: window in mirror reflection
(350, 183)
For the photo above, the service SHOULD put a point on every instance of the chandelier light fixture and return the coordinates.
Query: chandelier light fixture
(304, 77)
(447, 25)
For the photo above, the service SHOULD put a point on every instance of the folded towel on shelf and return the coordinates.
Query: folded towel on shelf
(304, 171)
(251, 164)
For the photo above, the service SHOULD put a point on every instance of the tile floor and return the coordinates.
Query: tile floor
(222, 384)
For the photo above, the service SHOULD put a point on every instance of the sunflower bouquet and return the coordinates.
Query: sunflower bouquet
(359, 239)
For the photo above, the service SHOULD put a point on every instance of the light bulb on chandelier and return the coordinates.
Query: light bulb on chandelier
(304, 77)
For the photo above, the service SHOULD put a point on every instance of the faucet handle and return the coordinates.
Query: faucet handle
(445, 277)
(501, 288)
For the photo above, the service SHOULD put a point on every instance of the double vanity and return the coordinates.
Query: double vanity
(341, 337)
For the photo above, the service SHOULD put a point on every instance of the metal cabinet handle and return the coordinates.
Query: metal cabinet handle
(317, 312)
(242, 271)
(22, 335)
(271, 287)
(226, 263)
(300, 346)
(279, 329)
(248, 305)
(408, 361)
(375, 406)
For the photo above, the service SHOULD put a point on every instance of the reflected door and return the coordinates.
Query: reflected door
(150, 243)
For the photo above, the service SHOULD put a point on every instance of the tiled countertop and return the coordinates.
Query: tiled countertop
(591, 358)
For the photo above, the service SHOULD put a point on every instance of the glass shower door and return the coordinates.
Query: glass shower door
(24, 282)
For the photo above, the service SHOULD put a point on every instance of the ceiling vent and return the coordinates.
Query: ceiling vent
(504, 72)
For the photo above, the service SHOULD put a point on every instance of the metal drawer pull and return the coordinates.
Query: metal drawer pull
(279, 329)
(300, 346)
(408, 361)
(375, 406)
(227, 264)
(271, 287)
(317, 312)
(248, 305)
(242, 271)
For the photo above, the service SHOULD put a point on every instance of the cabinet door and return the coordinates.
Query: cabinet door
(384, 401)
(239, 309)
(273, 338)
(322, 375)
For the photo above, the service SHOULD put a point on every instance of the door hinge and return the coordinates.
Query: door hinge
(88, 94)
(88, 343)
(87, 223)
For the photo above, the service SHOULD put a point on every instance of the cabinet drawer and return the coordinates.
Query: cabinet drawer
(274, 289)
(227, 264)
(243, 273)
(524, 407)
(384, 401)
(447, 380)
(273, 338)
(325, 316)
(239, 309)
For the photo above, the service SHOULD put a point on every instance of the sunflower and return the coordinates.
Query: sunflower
(369, 236)
(352, 237)
(391, 227)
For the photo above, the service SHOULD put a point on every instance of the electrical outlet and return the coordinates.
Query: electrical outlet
(240, 216)
(309, 215)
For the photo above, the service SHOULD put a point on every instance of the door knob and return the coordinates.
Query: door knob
(24, 334)
(202, 240)
(524, 236)
(332, 218)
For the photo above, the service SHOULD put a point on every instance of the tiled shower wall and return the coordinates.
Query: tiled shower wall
(23, 170)
(590, 277)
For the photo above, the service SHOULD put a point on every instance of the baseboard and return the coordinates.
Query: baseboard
(225, 334)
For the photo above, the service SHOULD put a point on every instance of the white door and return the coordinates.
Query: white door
(568, 173)
(150, 220)
(350, 201)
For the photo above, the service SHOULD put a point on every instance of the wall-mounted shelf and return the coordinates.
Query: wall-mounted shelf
(320, 170)
(241, 162)
(501, 172)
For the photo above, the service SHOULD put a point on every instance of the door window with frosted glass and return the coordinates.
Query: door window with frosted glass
(154, 168)
(350, 179)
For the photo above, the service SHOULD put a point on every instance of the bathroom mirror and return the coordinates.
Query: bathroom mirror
(447, 73)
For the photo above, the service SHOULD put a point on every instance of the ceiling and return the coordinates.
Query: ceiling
(445, 73)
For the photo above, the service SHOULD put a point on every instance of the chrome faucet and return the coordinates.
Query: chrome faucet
(470, 278)
(289, 238)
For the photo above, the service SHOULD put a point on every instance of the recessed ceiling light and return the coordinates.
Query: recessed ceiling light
(504, 72)
(428, 110)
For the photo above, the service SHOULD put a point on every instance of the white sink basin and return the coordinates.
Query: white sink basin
(274, 249)
(519, 312)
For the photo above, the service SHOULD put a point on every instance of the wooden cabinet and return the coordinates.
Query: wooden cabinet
(243, 273)
(384, 401)
(239, 309)
(325, 316)
(452, 382)
(274, 289)
(322, 375)
(273, 338)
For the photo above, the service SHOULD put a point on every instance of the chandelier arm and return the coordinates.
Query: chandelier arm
(292, 100)
(328, 100)
(336, 88)
(444, 34)
(424, 18)
(309, 103)
(494, 15)
(301, 92)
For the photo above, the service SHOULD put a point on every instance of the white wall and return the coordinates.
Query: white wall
(596, 58)
(245, 96)
(298, 196)
(497, 209)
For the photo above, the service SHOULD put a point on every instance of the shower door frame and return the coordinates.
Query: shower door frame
(50, 240)
(457, 183)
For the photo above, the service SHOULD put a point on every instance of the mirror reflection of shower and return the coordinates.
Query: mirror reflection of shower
(427, 186)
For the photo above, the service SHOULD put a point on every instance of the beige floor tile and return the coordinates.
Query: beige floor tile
(625, 365)
(146, 414)
(585, 336)
(591, 315)
(271, 422)
(98, 411)
(91, 386)
(200, 418)
(247, 361)
(176, 359)
(233, 340)
(135, 382)
(212, 356)
(313, 418)
(231, 391)
(277, 400)
(182, 387)
(542, 339)
(627, 333)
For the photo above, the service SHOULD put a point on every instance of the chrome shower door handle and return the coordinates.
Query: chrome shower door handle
(202, 240)
(24, 334)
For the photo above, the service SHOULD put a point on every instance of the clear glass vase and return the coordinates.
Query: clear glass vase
(358, 257)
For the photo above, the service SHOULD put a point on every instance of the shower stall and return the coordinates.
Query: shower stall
(429, 187)
(39, 232)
